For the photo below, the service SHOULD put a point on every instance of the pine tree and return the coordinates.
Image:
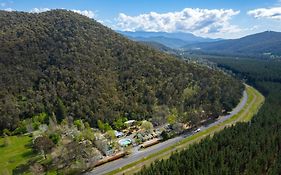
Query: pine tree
(61, 112)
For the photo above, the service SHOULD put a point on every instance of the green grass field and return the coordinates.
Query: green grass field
(254, 102)
(16, 153)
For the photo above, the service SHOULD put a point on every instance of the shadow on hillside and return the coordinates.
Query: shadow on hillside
(27, 154)
(23, 168)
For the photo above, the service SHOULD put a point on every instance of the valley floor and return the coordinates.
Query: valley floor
(246, 109)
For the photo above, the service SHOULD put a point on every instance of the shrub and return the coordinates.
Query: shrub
(20, 130)
(7, 132)
(55, 138)
(165, 135)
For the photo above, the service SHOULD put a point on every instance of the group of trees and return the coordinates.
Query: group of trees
(246, 148)
(67, 146)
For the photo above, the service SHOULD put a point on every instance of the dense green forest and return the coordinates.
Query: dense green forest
(246, 148)
(63, 63)
(254, 71)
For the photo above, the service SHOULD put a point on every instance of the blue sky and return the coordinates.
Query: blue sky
(209, 18)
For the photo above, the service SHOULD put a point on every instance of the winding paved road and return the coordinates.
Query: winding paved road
(137, 155)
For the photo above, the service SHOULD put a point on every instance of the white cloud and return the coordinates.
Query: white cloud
(87, 13)
(9, 9)
(270, 13)
(201, 21)
(39, 10)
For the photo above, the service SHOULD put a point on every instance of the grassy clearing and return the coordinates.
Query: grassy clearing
(255, 106)
(254, 102)
(16, 153)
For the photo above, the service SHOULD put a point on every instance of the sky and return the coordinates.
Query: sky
(207, 18)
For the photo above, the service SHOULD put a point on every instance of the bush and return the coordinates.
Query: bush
(78, 137)
(119, 123)
(55, 138)
(36, 125)
(165, 135)
(146, 125)
(40, 118)
(7, 132)
(6, 140)
(79, 124)
(20, 130)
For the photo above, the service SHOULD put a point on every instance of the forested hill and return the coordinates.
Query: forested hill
(65, 63)
(266, 44)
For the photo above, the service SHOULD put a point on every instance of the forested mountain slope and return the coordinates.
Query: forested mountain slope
(260, 44)
(62, 62)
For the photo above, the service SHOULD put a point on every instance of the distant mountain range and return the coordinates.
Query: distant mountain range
(266, 44)
(158, 46)
(261, 44)
(172, 40)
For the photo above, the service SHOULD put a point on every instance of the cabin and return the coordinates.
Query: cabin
(118, 134)
(150, 143)
(130, 122)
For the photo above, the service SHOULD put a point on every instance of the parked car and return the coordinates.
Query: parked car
(197, 130)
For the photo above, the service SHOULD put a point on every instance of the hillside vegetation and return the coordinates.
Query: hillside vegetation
(63, 63)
